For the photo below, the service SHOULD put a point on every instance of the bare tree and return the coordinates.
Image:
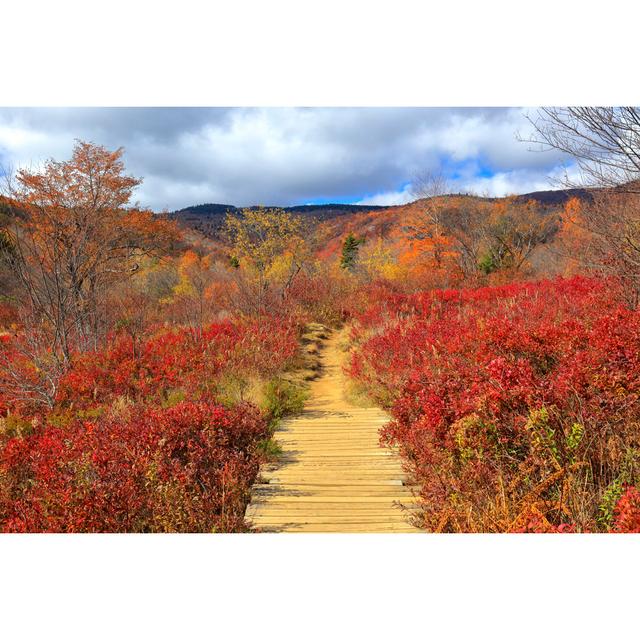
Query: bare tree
(604, 235)
(514, 231)
(429, 184)
(465, 221)
(430, 187)
(427, 223)
(604, 141)
(30, 371)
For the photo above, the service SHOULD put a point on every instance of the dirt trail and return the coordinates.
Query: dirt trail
(333, 476)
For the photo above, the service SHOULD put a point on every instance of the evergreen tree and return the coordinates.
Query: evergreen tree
(350, 249)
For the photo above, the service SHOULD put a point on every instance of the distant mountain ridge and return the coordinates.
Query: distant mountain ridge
(555, 197)
(223, 208)
(208, 218)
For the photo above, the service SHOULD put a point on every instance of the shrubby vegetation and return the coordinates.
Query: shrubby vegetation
(184, 468)
(516, 407)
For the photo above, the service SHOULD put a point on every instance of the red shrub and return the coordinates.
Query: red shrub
(627, 512)
(507, 399)
(187, 468)
(176, 359)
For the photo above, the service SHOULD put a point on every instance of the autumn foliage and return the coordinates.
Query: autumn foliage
(516, 407)
(186, 468)
(175, 360)
(627, 512)
(129, 387)
(122, 450)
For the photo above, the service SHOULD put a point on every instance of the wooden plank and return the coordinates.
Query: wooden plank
(296, 502)
(285, 512)
(337, 490)
(377, 518)
(369, 527)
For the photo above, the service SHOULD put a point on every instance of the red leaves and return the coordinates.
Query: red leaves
(175, 359)
(499, 384)
(187, 468)
(133, 466)
(627, 512)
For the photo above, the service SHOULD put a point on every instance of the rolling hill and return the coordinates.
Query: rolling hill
(207, 219)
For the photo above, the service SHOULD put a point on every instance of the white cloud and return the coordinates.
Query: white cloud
(506, 183)
(287, 156)
(389, 198)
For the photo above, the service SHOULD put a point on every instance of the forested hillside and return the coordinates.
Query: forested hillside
(208, 219)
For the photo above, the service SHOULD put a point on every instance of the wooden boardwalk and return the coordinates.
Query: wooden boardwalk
(333, 476)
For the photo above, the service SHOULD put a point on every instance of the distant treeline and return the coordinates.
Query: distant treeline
(550, 197)
(221, 209)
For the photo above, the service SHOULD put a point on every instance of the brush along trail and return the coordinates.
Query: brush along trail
(332, 476)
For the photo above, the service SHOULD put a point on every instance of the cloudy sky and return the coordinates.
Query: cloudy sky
(284, 156)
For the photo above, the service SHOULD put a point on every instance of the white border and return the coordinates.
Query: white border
(319, 586)
(335, 52)
(277, 53)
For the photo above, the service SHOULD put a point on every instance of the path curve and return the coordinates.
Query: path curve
(333, 475)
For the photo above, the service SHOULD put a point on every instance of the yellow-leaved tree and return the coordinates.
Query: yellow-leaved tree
(378, 261)
(269, 251)
(191, 293)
